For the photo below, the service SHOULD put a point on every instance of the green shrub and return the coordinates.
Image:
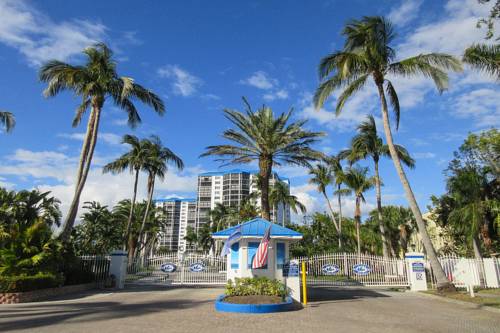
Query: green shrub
(256, 286)
(17, 283)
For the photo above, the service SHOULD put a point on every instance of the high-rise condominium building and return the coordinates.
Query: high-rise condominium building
(178, 215)
(231, 188)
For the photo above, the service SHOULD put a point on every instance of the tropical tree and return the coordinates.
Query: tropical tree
(156, 165)
(94, 82)
(321, 176)
(135, 160)
(99, 233)
(280, 195)
(366, 144)
(338, 176)
(7, 120)
(367, 53)
(191, 237)
(358, 182)
(269, 140)
(484, 58)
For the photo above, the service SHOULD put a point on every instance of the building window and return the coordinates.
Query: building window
(235, 261)
(251, 251)
(280, 255)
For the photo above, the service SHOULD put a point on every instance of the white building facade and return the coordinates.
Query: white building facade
(178, 215)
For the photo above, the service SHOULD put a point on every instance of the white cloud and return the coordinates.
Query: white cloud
(280, 94)
(482, 105)
(55, 172)
(355, 110)
(109, 138)
(406, 12)
(184, 83)
(260, 80)
(39, 38)
(424, 155)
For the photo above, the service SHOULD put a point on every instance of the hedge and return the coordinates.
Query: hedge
(20, 283)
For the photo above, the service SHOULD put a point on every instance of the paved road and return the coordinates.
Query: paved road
(191, 310)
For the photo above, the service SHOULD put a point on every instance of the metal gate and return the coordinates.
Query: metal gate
(350, 269)
(178, 269)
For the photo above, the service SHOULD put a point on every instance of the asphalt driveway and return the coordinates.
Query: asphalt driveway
(147, 309)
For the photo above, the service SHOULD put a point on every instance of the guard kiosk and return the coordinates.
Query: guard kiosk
(239, 260)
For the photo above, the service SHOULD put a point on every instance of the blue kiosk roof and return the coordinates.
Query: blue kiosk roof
(257, 227)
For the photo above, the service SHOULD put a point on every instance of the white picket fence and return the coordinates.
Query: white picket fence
(483, 273)
(350, 269)
(188, 269)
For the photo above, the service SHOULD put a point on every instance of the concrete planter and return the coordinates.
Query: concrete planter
(42, 294)
(222, 306)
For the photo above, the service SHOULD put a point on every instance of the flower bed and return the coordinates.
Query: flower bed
(254, 295)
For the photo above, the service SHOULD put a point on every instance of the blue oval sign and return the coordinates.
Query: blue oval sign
(168, 267)
(361, 269)
(197, 267)
(330, 269)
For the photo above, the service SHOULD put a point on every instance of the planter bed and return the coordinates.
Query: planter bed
(42, 294)
(253, 304)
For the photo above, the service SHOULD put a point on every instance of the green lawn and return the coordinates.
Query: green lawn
(485, 297)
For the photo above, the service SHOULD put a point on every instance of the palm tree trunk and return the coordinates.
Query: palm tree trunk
(475, 246)
(131, 214)
(339, 198)
(86, 157)
(265, 170)
(357, 218)
(385, 250)
(148, 205)
(442, 282)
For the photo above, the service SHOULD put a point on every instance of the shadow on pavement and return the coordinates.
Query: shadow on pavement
(339, 294)
(31, 316)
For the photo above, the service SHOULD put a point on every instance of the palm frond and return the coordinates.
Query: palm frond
(485, 58)
(394, 100)
(8, 120)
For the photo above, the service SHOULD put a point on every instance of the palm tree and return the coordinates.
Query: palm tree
(338, 176)
(270, 141)
(135, 161)
(280, 195)
(485, 58)
(356, 179)
(157, 159)
(322, 177)
(365, 144)
(368, 53)
(7, 120)
(94, 82)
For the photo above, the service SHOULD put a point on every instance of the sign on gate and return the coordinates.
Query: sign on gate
(291, 269)
(168, 267)
(330, 269)
(361, 269)
(197, 267)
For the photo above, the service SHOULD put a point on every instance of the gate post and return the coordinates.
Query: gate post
(416, 271)
(118, 267)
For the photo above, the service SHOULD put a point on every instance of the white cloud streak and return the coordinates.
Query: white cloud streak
(39, 38)
(183, 83)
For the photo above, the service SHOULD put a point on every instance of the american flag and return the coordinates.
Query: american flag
(260, 258)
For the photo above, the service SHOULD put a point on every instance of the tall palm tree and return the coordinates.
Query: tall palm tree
(357, 180)
(270, 141)
(322, 177)
(280, 195)
(485, 58)
(157, 160)
(7, 120)
(365, 144)
(134, 160)
(338, 176)
(367, 53)
(94, 82)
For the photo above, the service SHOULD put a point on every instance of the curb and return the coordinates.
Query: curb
(455, 301)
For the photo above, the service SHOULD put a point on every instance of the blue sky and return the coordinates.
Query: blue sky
(201, 57)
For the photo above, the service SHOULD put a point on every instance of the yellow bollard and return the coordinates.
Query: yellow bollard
(304, 284)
